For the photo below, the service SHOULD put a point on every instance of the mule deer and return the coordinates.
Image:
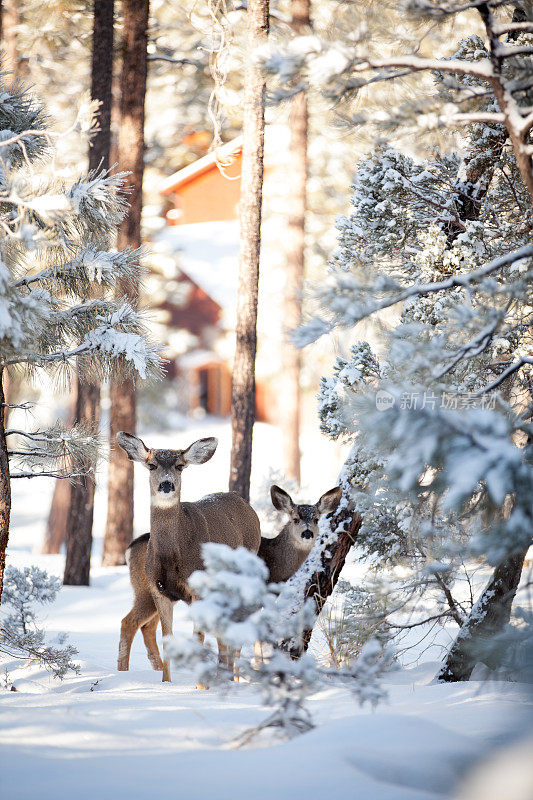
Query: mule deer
(161, 562)
(286, 552)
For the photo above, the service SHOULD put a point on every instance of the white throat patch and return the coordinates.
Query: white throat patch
(161, 500)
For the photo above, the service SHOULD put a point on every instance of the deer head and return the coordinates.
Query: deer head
(303, 522)
(166, 466)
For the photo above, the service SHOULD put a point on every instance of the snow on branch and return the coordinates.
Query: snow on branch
(360, 309)
(236, 605)
(92, 265)
(20, 636)
(56, 450)
(119, 337)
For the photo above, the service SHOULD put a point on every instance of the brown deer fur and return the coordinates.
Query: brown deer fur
(161, 562)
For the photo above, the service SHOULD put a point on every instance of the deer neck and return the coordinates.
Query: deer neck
(164, 557)
(165, 524)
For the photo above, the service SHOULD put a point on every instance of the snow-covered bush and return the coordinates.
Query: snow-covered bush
(236, 605)
(20, 636)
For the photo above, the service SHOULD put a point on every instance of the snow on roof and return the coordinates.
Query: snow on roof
(183, 176)
(208, 252)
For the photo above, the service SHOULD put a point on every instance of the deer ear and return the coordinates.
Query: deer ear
(201, 451)
(329, 500)
(281, 500)
(134, 447)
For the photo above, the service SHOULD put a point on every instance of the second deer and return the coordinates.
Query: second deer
(286, 552)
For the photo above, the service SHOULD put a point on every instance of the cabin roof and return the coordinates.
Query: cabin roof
(201, 165)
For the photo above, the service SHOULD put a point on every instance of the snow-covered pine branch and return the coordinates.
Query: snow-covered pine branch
(236, 605)
(58, 281)
(438, 470)
(340, 68)
(54, 451)
(21, 637)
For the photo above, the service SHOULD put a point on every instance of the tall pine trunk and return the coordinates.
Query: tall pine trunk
(119, 528)
(294, 275)
(5, 487)
(79, 524)
(243, 379)
(56, 526)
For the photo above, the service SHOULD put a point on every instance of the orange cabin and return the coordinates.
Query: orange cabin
(201, 193)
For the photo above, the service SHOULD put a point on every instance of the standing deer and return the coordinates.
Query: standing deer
(286, 552)
(162, 561)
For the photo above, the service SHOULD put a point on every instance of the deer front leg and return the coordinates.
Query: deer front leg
(148, 631)
(165, 611)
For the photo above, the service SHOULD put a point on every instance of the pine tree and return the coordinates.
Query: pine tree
(79, 522)
(53, 253)
(243, 379)
(448, 239)
(119, 527)
(291, 396)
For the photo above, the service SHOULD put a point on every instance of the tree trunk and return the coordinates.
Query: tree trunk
(5, 488)
(79, 529)
(294, 275)
(81, 508)
(324, 580)
(119, 528)
(243, 379)
(56, 528)
(489, 616)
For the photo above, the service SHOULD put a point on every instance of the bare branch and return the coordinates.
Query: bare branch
(51, 474)
(179, 61)
(511, 27)
(505, 374)
(479, 69)
(443, 615)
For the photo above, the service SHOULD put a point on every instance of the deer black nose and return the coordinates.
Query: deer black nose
(307, 534)
(166, 486)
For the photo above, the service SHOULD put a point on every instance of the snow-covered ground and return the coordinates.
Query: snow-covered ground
(104, 734)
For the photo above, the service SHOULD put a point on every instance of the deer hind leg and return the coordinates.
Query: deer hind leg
(165, 611)
(143, 609)
(148, 631)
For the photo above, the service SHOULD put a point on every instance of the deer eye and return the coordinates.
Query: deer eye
(152, 466)
(296, 519)
(179, 467)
